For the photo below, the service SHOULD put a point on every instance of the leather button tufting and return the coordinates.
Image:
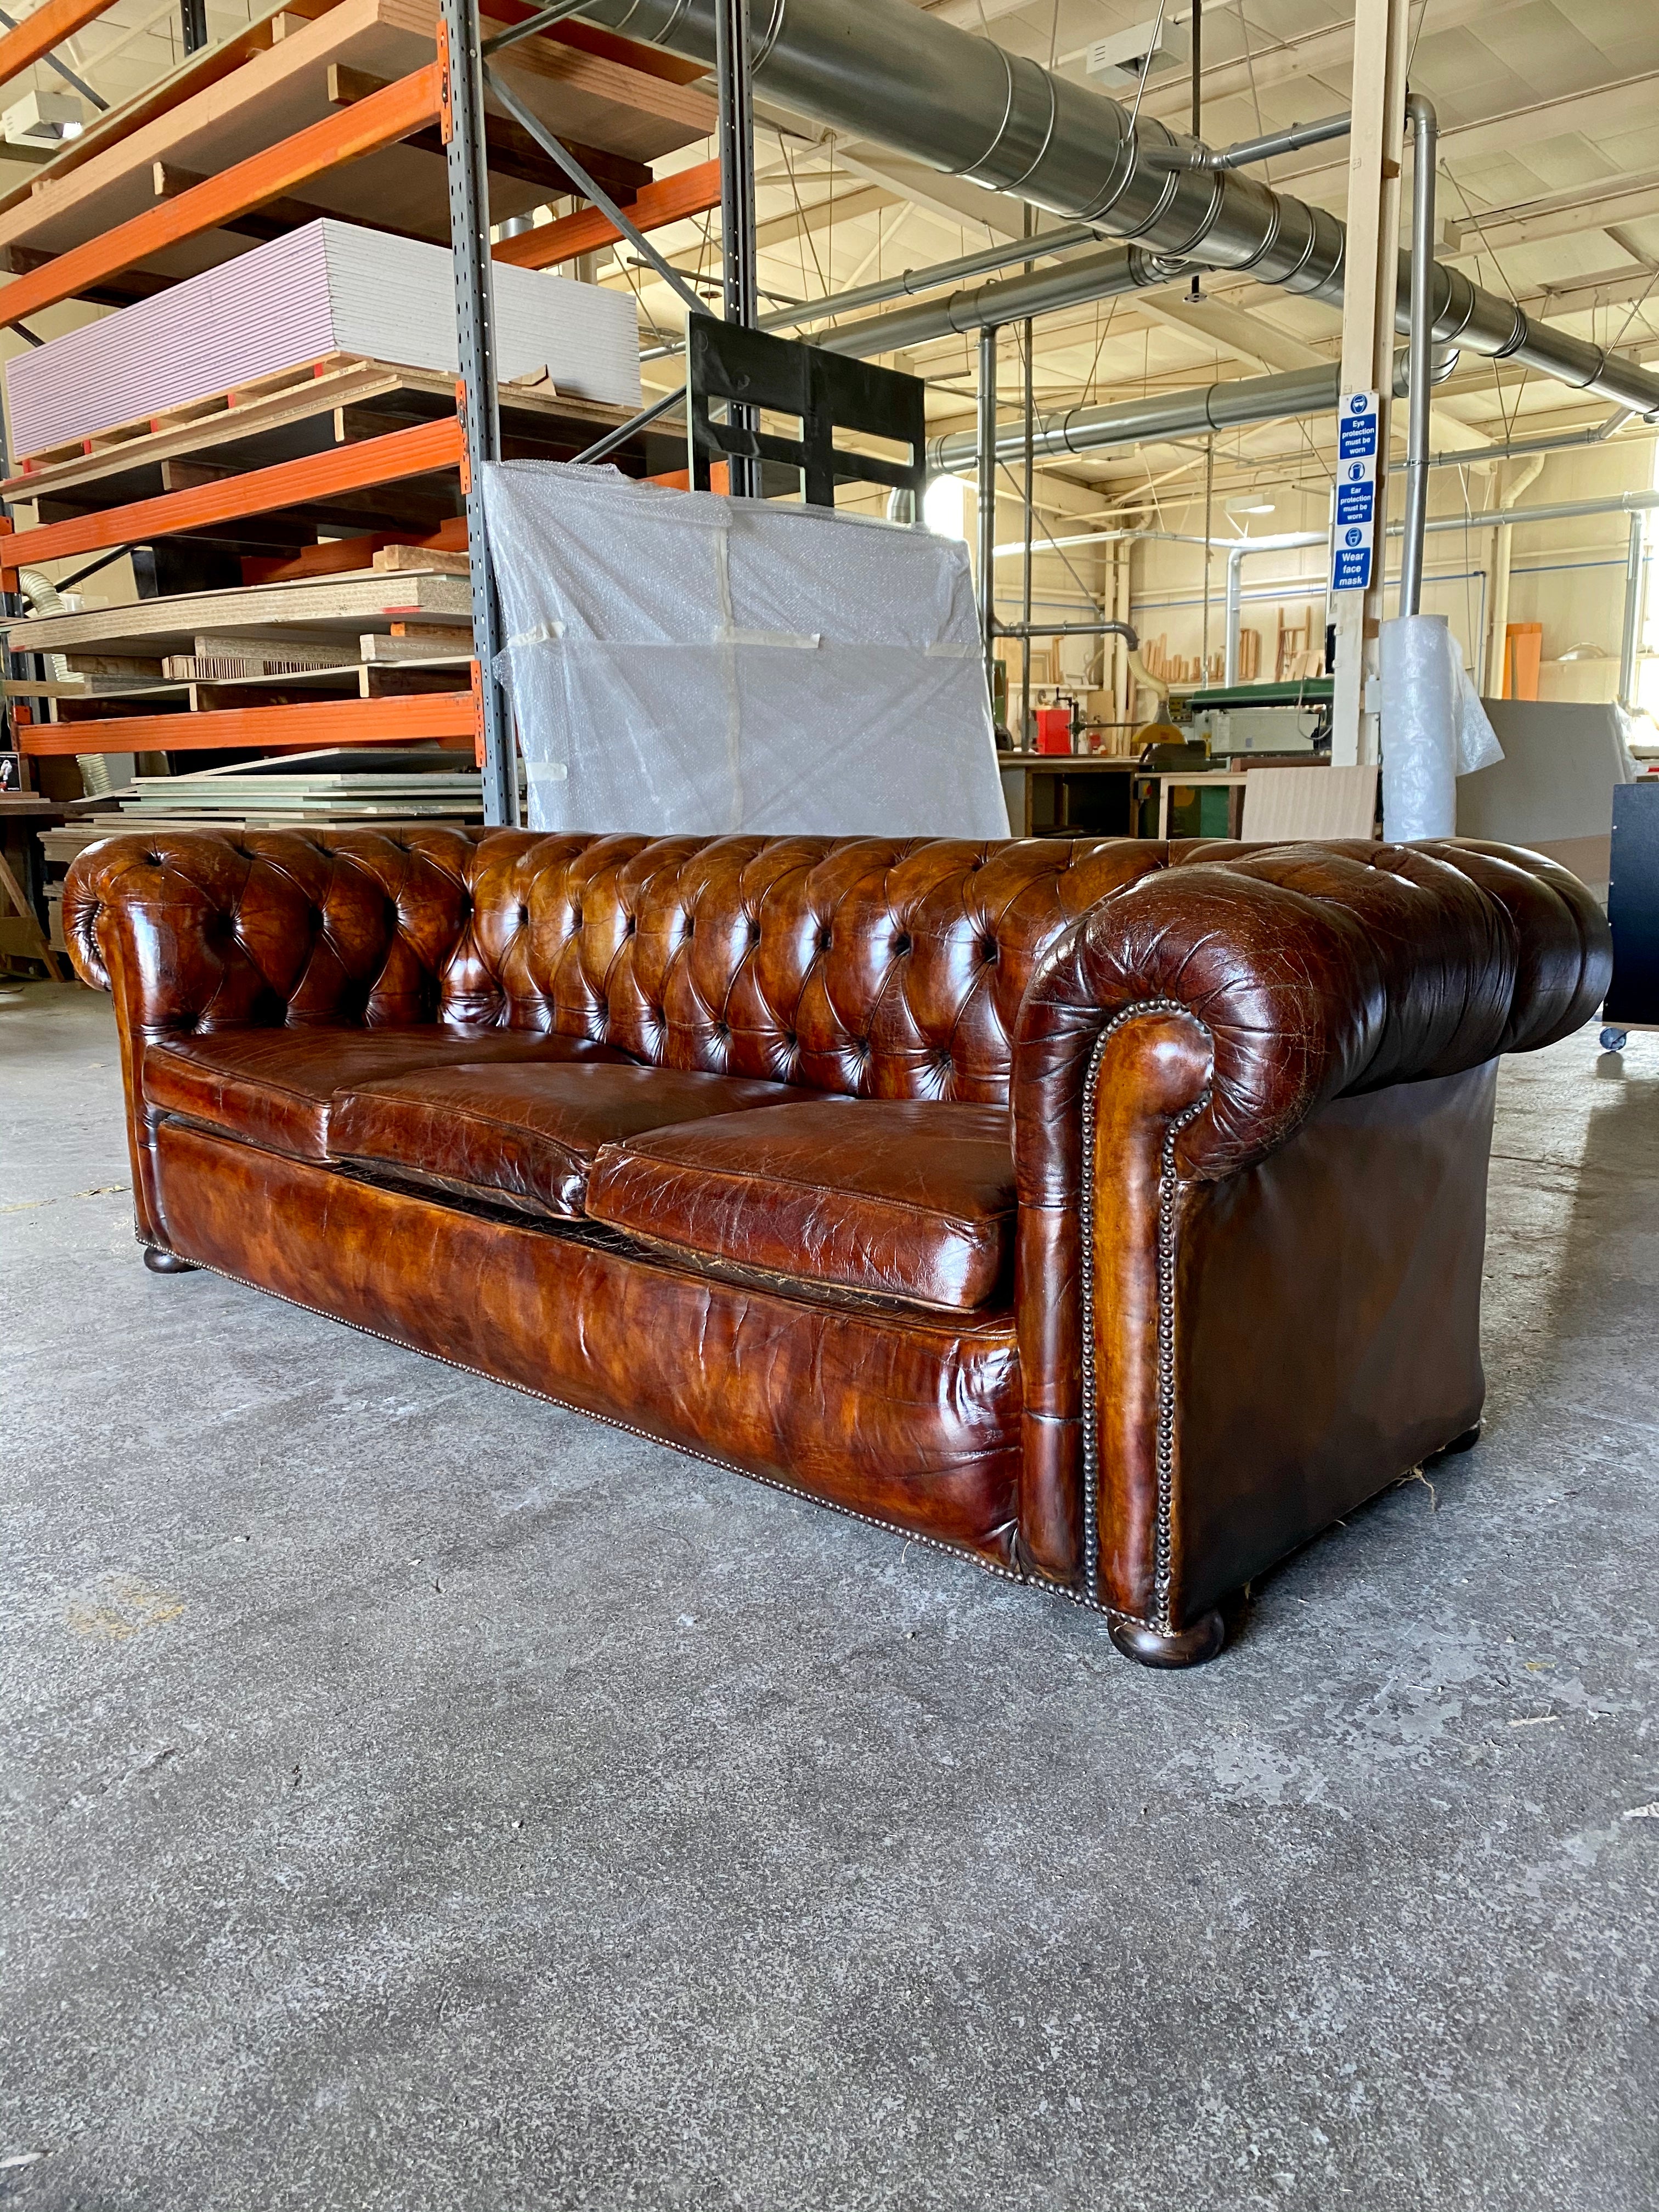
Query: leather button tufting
(902, 942)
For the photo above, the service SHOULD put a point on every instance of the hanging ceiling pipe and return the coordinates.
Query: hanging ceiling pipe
(1241, 404)
(1516, 448)
(1103, 275)
(1246, 151)
(1426, 154)
(1502, 552)
(1157, 418)
(963, 105)
(910, 282)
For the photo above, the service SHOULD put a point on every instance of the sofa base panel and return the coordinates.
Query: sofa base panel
(910, 1423)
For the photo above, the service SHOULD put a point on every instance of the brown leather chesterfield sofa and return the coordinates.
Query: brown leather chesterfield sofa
(1109, 1212)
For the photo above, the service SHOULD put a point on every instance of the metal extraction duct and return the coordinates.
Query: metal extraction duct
(1161, 414)
(882, 70)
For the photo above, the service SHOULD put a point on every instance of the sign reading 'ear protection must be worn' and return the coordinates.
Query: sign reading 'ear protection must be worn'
(1354, 532)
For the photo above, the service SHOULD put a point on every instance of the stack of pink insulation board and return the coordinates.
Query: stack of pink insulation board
(327, 287)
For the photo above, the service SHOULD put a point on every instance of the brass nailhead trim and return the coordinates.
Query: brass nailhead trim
(1167, 1187)
(610, 1421)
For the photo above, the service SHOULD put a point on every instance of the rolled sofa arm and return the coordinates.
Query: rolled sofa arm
(203, 930)
(1179, 1034)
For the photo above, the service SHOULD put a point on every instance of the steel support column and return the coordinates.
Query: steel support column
(1425, 156)
(468, 233)
(987, 499)
(1630, 643)
(739, 250)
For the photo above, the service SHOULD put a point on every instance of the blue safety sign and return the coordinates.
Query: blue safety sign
(1356, 428)
(1355, 503)
(1355, 520)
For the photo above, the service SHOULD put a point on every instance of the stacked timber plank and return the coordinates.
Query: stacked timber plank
(334, 605)
(278, 417)
(401, 788)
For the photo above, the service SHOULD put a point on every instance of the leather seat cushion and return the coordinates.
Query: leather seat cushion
(524, 1136)
(274, 1087)
(906, 1199)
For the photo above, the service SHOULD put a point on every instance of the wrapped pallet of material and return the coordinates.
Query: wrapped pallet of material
(1434, 729)
(680, 662)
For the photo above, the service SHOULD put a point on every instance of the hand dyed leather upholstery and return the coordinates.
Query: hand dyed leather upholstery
(887, 1197)
(280, 1087)
(525, 1134)
(1250, 1092)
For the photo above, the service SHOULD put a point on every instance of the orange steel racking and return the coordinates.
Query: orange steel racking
(48, 27)
(394, 112)
(448, 91)
(418, 452)
(433, 715)
(692, 191)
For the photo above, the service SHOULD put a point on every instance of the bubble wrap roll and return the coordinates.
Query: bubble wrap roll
(1419, 730)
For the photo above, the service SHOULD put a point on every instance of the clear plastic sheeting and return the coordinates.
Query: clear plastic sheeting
(1434, 727)
(679, 662)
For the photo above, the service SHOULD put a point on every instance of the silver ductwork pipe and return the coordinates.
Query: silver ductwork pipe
(1195, 414)
(882, 70)
(1072, 283)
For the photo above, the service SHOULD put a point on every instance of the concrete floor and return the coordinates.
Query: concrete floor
(417, 1797)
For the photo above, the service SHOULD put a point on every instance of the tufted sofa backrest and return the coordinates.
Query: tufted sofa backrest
(877, 968)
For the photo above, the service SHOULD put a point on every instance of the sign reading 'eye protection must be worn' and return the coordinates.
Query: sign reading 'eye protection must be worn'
(1353, 537)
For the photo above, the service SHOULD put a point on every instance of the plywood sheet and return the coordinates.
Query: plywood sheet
(579, 94)
(349, 604)
(194, 74)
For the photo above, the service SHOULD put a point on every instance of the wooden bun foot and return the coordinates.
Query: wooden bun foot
(1467, 1441)
(1185, 1647)
(167, 1263)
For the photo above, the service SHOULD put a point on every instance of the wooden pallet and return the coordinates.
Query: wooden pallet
(280, 384)
(289, 400)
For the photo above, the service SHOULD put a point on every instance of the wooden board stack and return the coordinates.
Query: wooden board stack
(335, 789)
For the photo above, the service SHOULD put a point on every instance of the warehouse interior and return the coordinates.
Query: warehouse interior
(1127, 1054)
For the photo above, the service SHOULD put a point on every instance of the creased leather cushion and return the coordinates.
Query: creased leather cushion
(524, 1136)
(904, 1198)
(274, 1087)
